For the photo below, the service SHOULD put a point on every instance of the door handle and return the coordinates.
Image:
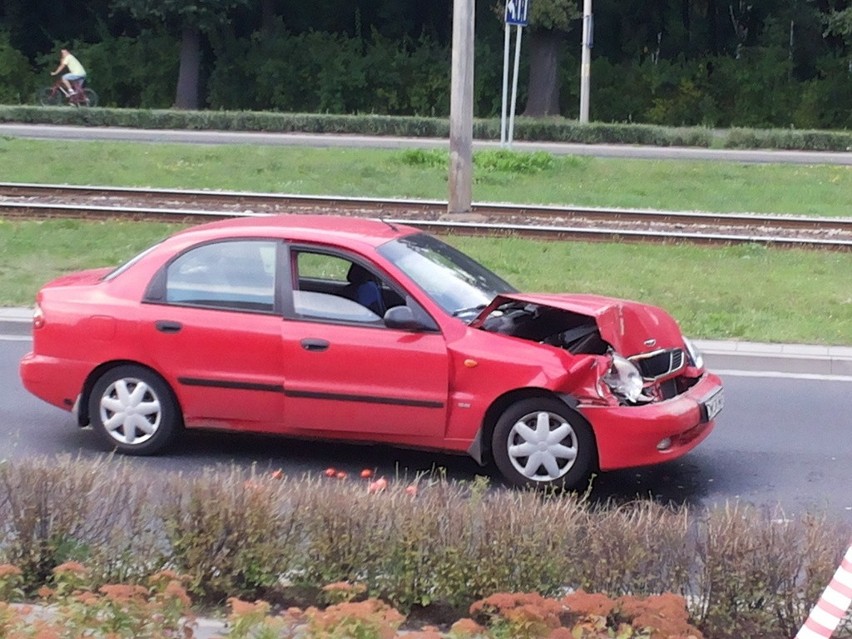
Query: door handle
(313, 344)
(166, 326)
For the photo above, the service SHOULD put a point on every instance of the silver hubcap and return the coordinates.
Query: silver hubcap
(542, 446)
(130, 411)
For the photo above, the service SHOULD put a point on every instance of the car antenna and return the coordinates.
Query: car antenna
(390, 224)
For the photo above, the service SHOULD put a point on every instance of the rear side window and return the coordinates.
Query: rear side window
(238, 275)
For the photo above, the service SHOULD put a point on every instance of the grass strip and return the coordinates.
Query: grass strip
(745, 292)
(499, 176)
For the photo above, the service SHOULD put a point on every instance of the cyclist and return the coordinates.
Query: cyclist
(75, 70)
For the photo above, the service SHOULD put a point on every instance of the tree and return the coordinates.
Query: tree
(549, 21)
(839, 23)
(189, 20)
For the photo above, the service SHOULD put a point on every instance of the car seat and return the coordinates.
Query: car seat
(364, 289)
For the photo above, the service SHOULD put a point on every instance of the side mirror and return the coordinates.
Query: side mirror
(402, 317)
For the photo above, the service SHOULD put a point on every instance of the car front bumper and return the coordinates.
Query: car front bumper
(630, 436)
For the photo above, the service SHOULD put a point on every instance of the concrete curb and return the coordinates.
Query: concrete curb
(747, 357)
(798, 359)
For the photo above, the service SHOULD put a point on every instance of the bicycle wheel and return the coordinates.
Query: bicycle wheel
(49, 96)
(91, 98)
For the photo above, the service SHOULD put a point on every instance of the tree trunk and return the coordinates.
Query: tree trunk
(543, 97)
(712, 17)
(190, 65)
(267, 17)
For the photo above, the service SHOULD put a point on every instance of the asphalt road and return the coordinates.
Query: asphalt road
(51, 132)
(782, 441)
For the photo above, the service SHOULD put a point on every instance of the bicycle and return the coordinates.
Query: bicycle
(58, 95)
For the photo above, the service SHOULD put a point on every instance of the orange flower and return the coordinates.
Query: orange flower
(8, 570)
(122, 592)
(340, 474)
(366, 473)
(411, 490)
(330, 471)
(240, 608)
(277, 474)
(70, 566)
(44, 592)
(466, 628)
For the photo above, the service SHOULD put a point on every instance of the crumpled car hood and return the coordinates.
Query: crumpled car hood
(629, 327)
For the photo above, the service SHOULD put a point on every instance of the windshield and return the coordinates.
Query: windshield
(457, 283)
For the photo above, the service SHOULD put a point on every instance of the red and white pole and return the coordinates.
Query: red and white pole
(832, 606)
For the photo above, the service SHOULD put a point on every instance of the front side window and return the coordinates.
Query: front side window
(237, 275)
(337, 287)
(333, 287)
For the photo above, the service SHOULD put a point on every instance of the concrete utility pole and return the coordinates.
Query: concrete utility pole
(586, 61)
(461, 109)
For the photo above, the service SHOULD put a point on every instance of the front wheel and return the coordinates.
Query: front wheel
(49, 96)
(133, 410)
(90, 98)
(540, 442)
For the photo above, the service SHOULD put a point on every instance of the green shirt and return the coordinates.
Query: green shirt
(73, 65)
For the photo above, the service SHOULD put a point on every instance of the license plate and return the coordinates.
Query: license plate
(713, 405)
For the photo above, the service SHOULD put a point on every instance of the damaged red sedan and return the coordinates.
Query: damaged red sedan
(364, 330)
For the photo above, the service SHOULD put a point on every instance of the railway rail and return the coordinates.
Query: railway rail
(544, 222)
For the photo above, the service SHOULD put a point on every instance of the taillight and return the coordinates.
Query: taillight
(38, 317)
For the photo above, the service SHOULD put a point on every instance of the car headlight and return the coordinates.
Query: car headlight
(624, 379)
(695, 355)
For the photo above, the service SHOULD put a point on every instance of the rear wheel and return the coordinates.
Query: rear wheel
(540, 442)
(49, 96)
(133, 410)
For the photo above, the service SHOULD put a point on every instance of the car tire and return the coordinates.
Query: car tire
(134, 411)
(541, 443)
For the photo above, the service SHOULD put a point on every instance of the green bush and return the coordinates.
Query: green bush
(17, 82)
(139, 72)
(332, 73)
(526, 129)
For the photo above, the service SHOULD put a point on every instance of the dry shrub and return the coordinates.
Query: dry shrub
(343, 531)
(237, 533)
(231, 532)
(761, 572)
(641, 547)
(58, 509)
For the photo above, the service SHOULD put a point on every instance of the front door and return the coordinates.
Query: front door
(346, 372)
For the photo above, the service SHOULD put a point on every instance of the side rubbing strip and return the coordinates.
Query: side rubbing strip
(218, 383)
(363, 398)
(277, 388)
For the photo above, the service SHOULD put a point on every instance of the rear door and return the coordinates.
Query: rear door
(212, 326)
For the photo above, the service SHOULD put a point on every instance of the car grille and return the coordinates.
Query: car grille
(659, 364)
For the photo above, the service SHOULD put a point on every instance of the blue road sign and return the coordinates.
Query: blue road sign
(517, 12)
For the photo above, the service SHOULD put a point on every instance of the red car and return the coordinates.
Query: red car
(353, 329)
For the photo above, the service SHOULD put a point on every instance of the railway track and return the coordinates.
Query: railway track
(545, 222)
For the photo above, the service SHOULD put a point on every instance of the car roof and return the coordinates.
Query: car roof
(318, 228)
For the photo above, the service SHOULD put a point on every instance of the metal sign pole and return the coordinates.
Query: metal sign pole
(505, 85)
(585, 63)
(515, 85)
(516, 14)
